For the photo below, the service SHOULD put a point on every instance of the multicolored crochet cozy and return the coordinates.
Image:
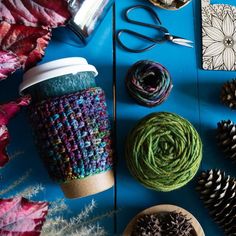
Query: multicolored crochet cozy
(73, 134)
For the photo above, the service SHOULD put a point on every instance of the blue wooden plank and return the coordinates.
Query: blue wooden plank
(98, 53)
(132, 197)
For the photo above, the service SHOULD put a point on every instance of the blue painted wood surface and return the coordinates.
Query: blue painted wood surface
(195, 96)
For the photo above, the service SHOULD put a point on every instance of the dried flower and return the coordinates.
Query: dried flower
(31, 191)
(79, 225)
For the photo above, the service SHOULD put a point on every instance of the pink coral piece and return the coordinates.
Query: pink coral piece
(27, 43)
(35, 13)
(7, 111)
(21, 217)
(9, 62)
(25, 31)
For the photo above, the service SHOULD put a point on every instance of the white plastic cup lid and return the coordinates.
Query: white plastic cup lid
(50, 70)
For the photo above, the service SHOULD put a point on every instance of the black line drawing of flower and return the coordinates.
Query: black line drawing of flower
(219, 39)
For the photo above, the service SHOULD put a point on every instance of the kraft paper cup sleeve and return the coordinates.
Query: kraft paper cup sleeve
(88, 186)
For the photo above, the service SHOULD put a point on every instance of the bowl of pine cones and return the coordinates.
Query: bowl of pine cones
(164, 220)
(170, 4)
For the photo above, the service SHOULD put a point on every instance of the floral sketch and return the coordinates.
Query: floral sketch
(219, 37)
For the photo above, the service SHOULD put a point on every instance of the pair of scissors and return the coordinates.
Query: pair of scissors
(165, 34)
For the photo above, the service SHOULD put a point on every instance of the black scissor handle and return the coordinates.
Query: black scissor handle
(156, 26)
(153, 14)
(120, 32)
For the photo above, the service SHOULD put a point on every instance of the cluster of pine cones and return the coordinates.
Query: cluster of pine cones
(217, 190)
(168, 224)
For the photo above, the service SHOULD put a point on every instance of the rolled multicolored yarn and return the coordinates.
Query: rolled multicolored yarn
(163, 151)
(149, 83)
(73, 134)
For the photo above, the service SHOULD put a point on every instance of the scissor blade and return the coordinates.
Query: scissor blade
(183, 42)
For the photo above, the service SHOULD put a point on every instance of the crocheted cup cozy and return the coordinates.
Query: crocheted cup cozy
(74, 140)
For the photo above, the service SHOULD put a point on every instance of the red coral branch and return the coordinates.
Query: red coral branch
(35, 13)
(7, 111)
(9, 62)
(25, 29)
(24, 41)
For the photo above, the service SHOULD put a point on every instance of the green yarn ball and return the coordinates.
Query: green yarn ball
(163, 151)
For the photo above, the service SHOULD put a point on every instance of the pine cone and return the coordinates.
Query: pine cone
(218, 192)
(228, 94)
(176, 224)
(226, 138)
(147, 225)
